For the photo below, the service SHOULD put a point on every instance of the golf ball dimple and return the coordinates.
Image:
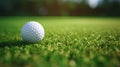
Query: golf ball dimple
(32, 32)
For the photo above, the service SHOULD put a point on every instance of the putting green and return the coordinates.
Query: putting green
(68, 42)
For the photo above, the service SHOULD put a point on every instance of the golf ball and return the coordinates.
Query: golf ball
(32, 32)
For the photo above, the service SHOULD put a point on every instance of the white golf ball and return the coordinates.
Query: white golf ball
(32, 32)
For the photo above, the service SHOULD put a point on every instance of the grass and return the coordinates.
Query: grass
(68, 42)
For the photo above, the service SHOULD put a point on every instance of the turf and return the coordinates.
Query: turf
(68, 42)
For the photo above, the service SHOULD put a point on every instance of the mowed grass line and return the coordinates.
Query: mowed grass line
(68, 42)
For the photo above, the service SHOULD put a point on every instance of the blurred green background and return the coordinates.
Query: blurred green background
(60, 8)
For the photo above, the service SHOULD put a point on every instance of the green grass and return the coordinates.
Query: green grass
(68, 42)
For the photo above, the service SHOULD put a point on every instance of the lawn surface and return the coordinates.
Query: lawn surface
(68, 42)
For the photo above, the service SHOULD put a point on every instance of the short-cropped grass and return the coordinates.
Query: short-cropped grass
(68, 42)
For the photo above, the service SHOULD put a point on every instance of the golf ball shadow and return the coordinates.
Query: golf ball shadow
(11, 43)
